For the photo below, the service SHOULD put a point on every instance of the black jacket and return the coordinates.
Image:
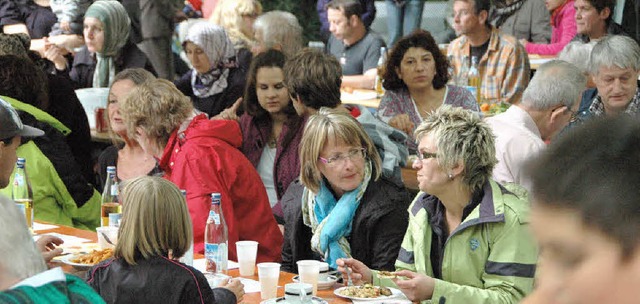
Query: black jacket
(378, 226)
(156, 280)
(84, 64)
(214, 104)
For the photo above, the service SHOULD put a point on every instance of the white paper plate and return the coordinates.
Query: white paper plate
(394, 293)
(67, 260)
(282, 300)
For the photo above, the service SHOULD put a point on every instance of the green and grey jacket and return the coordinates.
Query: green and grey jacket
(61, 195)
(489, 258)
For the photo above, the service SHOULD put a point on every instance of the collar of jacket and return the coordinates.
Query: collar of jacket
(40, 115)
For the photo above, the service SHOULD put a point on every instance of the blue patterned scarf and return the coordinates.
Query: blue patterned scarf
(331, 220)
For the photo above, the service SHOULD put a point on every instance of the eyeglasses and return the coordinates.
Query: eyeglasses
(426, 155)
(339, 160)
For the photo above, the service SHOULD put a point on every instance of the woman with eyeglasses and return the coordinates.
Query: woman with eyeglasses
(468, 238)
(342, 206)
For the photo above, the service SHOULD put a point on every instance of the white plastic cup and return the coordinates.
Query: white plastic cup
(308, 272)
(111, 233)
(247, 251)
(269, 274)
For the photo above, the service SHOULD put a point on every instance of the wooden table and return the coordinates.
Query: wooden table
(410, 178)
(536, 60)
(285, 277)
(352, 98)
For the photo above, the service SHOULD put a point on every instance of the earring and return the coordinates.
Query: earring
(450, 176)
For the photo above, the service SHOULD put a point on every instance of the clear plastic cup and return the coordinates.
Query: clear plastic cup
(107, 237)
(247, 251)
(308, 271)
(269, 274)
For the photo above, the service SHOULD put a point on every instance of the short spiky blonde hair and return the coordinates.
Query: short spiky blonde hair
(155, 220)
(158, 107)
(329, 124)
(461, 135)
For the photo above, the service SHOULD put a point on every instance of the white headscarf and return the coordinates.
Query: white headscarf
(215, 43)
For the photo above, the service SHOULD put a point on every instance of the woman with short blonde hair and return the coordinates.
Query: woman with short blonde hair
(333, 126)
(468, 239)
(201, 156)
(155, 231)
(342, 206)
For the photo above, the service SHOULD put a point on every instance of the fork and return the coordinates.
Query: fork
(349, 281)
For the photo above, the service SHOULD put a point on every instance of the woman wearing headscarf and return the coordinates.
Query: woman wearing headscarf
(107, 48)
(216, 81)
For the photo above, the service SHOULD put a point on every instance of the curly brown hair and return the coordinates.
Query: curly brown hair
(418, 39)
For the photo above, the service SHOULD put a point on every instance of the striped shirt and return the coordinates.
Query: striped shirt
(504, 68)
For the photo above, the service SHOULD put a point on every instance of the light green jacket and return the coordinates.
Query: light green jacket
(490, 258)
(51, 199)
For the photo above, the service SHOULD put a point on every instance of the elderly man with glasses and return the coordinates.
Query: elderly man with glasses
(548, 105)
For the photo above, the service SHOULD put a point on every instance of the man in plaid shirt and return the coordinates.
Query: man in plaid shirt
(503, 63)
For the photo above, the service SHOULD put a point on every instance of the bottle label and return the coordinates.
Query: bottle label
(216, 257)
(114, 189)
(23, 208)
(18, 179)
(215, 217)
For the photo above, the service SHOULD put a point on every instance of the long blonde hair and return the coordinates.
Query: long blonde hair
(155, 220)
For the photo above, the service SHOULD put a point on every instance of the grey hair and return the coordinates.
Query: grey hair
(20, 257)
(461, 136)
(280, 27)
(555, 83)
(577, 53)
(615, 50)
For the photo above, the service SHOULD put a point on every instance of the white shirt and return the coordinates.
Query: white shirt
(517, 140)
(43, 278)
(265, 170)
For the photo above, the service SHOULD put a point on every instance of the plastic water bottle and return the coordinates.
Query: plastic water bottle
(111, 208)
(187, 258)
(216, 238)
(21, 191)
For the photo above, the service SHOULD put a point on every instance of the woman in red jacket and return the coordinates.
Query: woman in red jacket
(201, 156)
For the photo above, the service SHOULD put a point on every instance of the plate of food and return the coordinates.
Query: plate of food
(367, 292)
(84, 261)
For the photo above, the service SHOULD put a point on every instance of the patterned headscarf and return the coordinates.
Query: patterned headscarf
(115, 23)
(215, 43)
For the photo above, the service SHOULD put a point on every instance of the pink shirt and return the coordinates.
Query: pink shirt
(517, 140)
(563, 31)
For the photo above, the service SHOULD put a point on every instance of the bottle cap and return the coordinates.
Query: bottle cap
(21, 161)
(215, 198)
(111, 169)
